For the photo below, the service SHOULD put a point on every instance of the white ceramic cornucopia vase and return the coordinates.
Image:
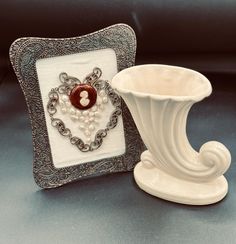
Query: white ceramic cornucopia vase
(159, 98)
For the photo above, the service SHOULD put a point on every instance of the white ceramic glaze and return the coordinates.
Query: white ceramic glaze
(159, 98)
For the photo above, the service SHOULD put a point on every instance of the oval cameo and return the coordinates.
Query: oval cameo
(83, 96)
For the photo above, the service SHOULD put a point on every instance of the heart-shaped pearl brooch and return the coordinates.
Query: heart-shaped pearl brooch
(84, 102)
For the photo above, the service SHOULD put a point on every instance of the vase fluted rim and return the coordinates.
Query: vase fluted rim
(162, 82)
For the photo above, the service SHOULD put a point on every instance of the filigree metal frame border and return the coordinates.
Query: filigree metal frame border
(24, 53)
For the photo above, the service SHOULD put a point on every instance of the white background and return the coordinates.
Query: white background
(79, 65)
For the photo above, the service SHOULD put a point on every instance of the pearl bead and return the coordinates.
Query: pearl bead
(74, 117)
(104, 99)
(91, 119)
(61, 103)
(87, 133)
(102, 93)
(85, 113)
(91, 127)
(63, 109)
(88, 140)
(78, 113)
(72, 111)
(97, 114)
(99, 101)
(82, 127)
(68, 104)
(96, 121)
(94, 108)
(64, 98)
(86, 121)
(82, 118)
(91, 114)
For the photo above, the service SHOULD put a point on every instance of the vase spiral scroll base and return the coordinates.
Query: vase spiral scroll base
(160, 184)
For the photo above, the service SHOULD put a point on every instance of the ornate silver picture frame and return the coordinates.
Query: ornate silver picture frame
(24, 54)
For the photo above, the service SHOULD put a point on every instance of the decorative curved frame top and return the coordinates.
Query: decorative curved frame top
(24, 53)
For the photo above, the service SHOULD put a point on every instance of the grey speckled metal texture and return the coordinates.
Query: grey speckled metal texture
(24, 53)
